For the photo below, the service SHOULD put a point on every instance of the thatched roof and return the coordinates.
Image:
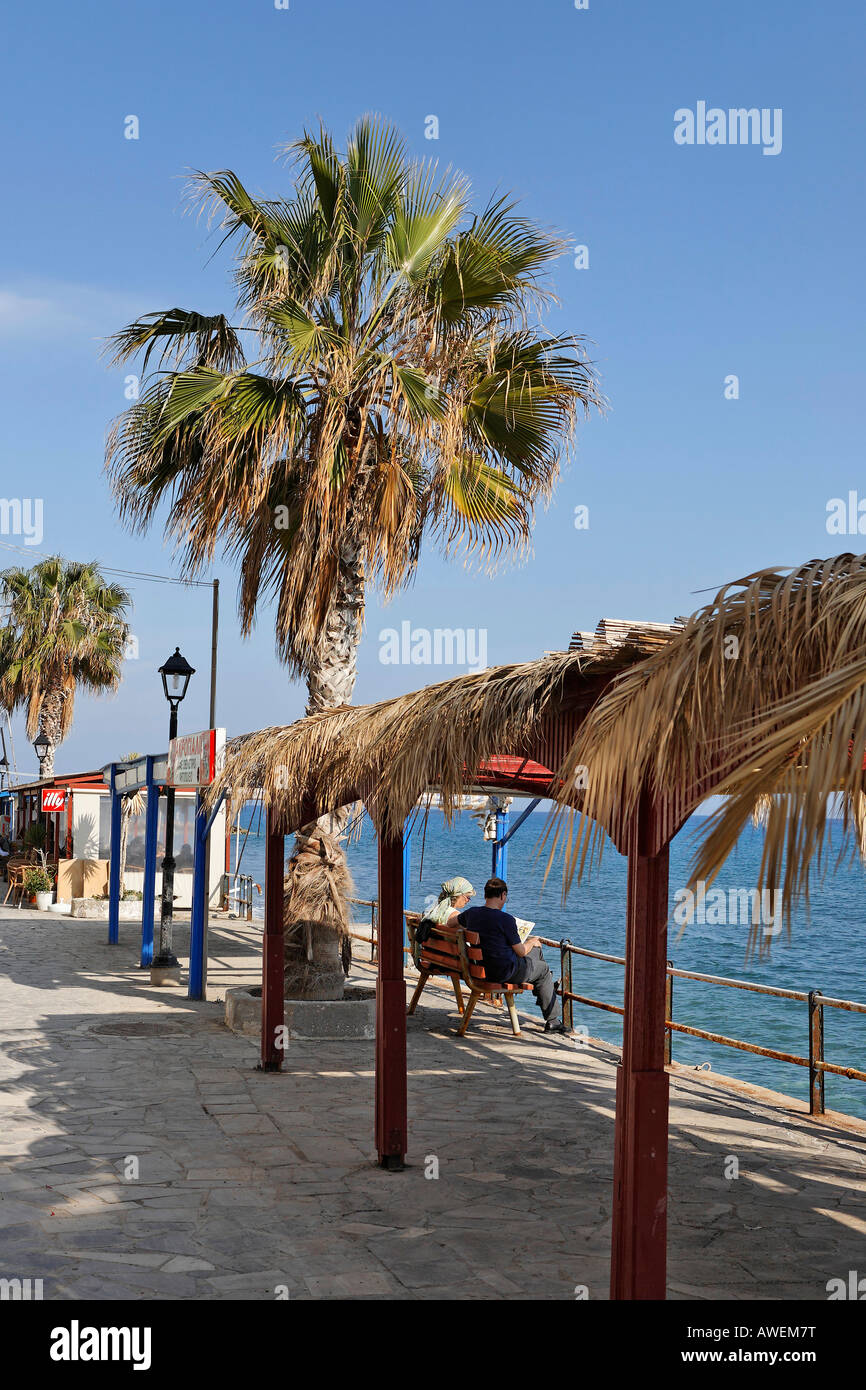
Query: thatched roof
(762, 696)
(390, 753)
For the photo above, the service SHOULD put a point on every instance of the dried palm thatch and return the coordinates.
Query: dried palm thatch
(389, 754)
(761, 697)
(317, 889)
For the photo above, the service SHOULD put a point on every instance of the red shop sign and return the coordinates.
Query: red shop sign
(53, 800)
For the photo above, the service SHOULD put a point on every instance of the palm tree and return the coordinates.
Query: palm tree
(399, 383)
(402, 385)
(64, 627)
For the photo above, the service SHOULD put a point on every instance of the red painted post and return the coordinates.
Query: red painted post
(391, 1127)
(639, 1240)
(272, 946)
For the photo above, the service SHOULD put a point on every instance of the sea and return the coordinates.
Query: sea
(825, 950)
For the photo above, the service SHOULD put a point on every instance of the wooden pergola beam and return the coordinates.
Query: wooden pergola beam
(391, 1118)
(639, 1236)
(272, 945)
(638, 1254)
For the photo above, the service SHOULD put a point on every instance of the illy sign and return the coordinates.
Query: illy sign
(53, 800)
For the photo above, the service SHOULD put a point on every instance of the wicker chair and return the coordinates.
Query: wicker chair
(16, 867)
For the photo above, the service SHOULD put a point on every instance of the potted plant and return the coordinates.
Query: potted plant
(37, 882)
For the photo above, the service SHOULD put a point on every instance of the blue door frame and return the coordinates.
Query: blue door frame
(114, 863)
(203, 824)
(148, 892)
(197, 943)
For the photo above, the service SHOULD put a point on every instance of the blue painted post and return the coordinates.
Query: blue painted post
(407, 866)
(407, 869)
(199, 896)
(114, 864)
(500, 846)
(151, 834)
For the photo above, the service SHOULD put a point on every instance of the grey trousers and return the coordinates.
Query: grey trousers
(534, 970)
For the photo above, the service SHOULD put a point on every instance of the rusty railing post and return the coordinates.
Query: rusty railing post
(816, 1053)
(565, 985)
(669, 1015)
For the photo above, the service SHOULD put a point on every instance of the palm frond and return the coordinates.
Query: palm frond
(179, 334)
(761, 698)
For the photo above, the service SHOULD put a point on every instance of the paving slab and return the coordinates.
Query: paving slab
(249, 1184)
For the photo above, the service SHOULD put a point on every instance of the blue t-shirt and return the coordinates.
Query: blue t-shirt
(498, 933)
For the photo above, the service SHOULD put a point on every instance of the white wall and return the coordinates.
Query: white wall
(87, 806)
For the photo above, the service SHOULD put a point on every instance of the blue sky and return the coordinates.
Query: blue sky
(704, 261)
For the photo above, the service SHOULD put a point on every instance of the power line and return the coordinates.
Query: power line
(111, 569)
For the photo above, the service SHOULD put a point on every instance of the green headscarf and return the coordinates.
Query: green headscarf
(451, 889)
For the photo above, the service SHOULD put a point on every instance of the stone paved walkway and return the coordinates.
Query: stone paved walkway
(142, 1155)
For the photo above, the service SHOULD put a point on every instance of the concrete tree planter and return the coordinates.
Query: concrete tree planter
(96, 909)
(307, 1020)
(43, 900)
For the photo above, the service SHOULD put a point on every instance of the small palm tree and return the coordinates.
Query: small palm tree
(64, 627)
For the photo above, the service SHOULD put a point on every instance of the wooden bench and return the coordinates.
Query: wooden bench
(413, 920)
(456, 952)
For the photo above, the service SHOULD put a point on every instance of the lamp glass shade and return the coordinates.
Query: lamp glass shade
(176, 675)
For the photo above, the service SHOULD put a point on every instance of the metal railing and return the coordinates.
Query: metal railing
(816, 1004)
(815, 1001)
(237, 894)
(373, 938)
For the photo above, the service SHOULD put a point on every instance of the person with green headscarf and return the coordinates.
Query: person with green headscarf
(453, 897)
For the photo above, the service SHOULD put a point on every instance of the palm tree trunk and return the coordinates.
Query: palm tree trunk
(331, 679)
(313, 947)
(50, 723)
(332, 675)
(124, 841)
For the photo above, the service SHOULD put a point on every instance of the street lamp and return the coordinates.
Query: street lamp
(43, 748)
(165, 969)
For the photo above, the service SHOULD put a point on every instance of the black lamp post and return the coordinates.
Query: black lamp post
(176, 675)
(43, 748)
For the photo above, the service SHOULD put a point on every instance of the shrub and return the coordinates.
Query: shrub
(37, 881)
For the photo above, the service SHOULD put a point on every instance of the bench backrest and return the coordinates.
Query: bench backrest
(455, 951)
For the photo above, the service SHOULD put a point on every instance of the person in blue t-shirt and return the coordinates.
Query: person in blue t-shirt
(507, 959)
